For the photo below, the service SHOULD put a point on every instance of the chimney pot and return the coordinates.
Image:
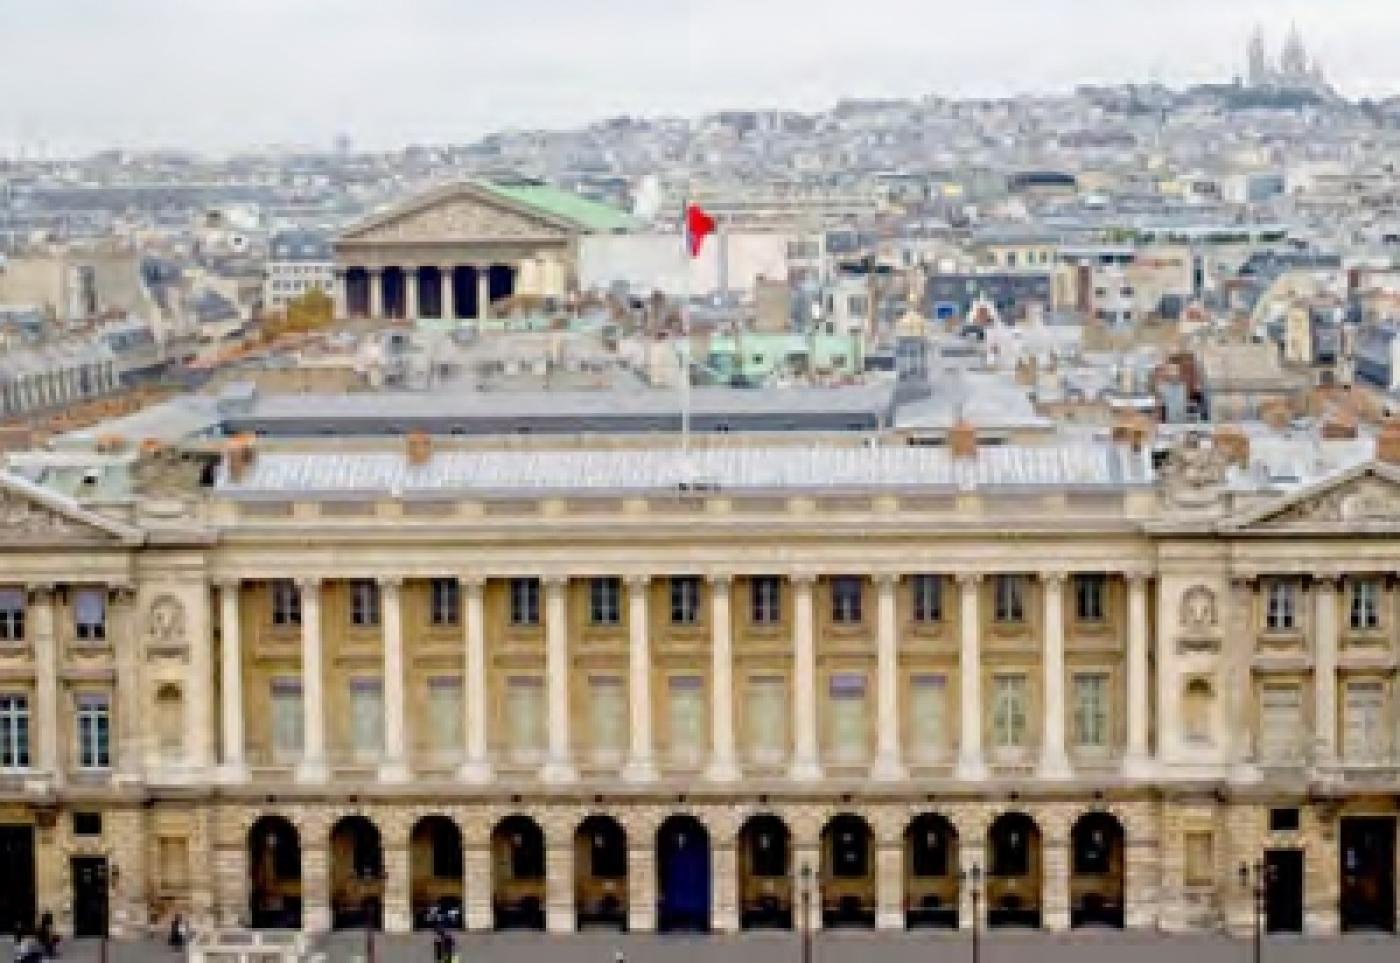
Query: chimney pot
(962, 440)
(418, 447)
(1388, 442)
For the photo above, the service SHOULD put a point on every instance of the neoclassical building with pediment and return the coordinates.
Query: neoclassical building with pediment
(311, 688)
(454, 251)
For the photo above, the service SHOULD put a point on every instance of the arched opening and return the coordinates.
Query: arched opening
(357, 874)
(500, 285)
(274, 875)
(765, 874)
(1096, 871)
(600, 872)
(683, 875)
(930, 872)
(357, 292)
(848, 872)
(518, 889)
(170, 722)
(1013, 873)
(435, 861)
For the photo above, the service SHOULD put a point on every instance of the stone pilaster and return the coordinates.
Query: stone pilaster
(395, 765)
(476, 866)
(313, 760)
(806, 854)
(559, 886)
(231, 883)
(1136, 761)
(723, 767)
(806, 762)
(44, 643)
(398, 916)
(1054, 763)
(888, 766)
(641, 886)
(231, 682)
(1055, 883)
(889, 884)
(971, 766)
(724, 887)
(315, 884)
(558, 765)
(476, 767)
(1326, 634)
(641, 766)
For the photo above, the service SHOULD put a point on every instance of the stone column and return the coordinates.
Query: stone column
(641, 766)
(1054, 764)
(476, 871)
(315, 879)
(559, 883)
(1055, 881)
(1137, 761)
(888, 765)
(476, 767)
(559, 765)
(449, 298)
(375, 277)
(398, 911)
(1327, 632)
(889, 884)
(971, 765)
(641, 885)
(394, 767)
(133, 738)
(806, 758)
(44, 643)
(412, 303)
(199, 710)
(340, 295)
(313, 756)
(723, 765)
(1168, 711)
(483, 292)
(724, 886)
(235, 769)
(806, 853)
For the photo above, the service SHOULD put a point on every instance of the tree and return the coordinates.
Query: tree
(311, 311)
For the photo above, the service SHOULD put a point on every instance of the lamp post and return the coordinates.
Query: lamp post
(369, 875)
(806, 913)
(108, 879)
(972, 877)
(1255, 880)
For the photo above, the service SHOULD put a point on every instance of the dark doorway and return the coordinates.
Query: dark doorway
(500, 284)
(17, 902)
(274, 874)
(600, 873)
(848, 873)
(89, 895)
(435, 855)
(930, 872)
(1368, 874)
(518, 890)
(357, 874)
(1096, 871)
(464, 301)
(683, 875)
(1013, 874)
(357, 292)
(765, 874)
(1283, 901)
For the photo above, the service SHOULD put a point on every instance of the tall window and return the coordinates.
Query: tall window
(766, 722)
(1089, 598)
(445, 715)
(11, 615)
(524, 601)
(847, 717)
(1280, 610)
(1280, 723)
(1365, 604)
(525, 716)
(1364, 737)
(765, 599)
(1091, 710)
(846, 599)
(927, 592)
(286, 603)
(928, 715)
(607, 717)
(605, 601)
(1010, 592)
(685, 600)
(444, 601)
(287, 720)
(366, 719)
(14, 732)
(1009, 711)
(94, 732)
(364, 603)
(90, 614)
(686, 714)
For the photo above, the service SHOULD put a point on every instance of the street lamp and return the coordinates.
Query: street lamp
(972, 877)
(369, 874)
(1255, 879)
(806, 913)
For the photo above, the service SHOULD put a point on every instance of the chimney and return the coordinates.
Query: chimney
(962, 440)
(240, 454)
(418, 448)
(1234, 445)
(1275, 414)
(1388, 442)
(1339, 426)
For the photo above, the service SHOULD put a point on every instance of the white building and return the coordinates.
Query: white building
(297, 261)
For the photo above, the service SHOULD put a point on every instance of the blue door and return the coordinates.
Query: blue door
(684, 857)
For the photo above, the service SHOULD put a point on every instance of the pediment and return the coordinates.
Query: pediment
(461, 213)
(31, 516)
(1361, 499)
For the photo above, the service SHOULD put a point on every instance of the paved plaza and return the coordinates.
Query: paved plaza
(827, 948)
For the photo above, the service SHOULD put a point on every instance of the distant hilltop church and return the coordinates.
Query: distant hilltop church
(1295, 71)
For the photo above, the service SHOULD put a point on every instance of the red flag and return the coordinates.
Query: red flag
(698, 226)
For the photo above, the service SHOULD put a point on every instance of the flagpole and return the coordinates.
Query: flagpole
(685, 340)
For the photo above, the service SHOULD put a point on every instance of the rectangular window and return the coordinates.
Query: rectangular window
(366, 719)
(846, 600)
(1280, 611)
(1009, 711)
(1365, 605)
(607, 717)
(286, 603)
(444, 602)
(1091, 710)
(1364, 739)
(90, 614)
(1089, 598)
(94, 732)
(927, 592)
(767, 715)
(364, 603)
(1280, 723)
(445, 715)
(11, 615)
(1010, 592)
(14, 732)
(847, 717)
(287, 720)
(525, 716)
(686, 714)
(605, 601)
(685, 600)
(1200, 859)
(524, 601)
(928, 715)
(765, 599)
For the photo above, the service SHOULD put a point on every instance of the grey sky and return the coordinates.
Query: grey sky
(221, 74)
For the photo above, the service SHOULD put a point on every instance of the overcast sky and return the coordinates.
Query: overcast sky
(223, 74)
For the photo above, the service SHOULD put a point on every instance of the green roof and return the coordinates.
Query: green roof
(587, 214)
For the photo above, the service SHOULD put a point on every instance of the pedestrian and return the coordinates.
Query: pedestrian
(177, 932)
(29, 949)
(48, 939)
(449, 947)
(618, 957)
